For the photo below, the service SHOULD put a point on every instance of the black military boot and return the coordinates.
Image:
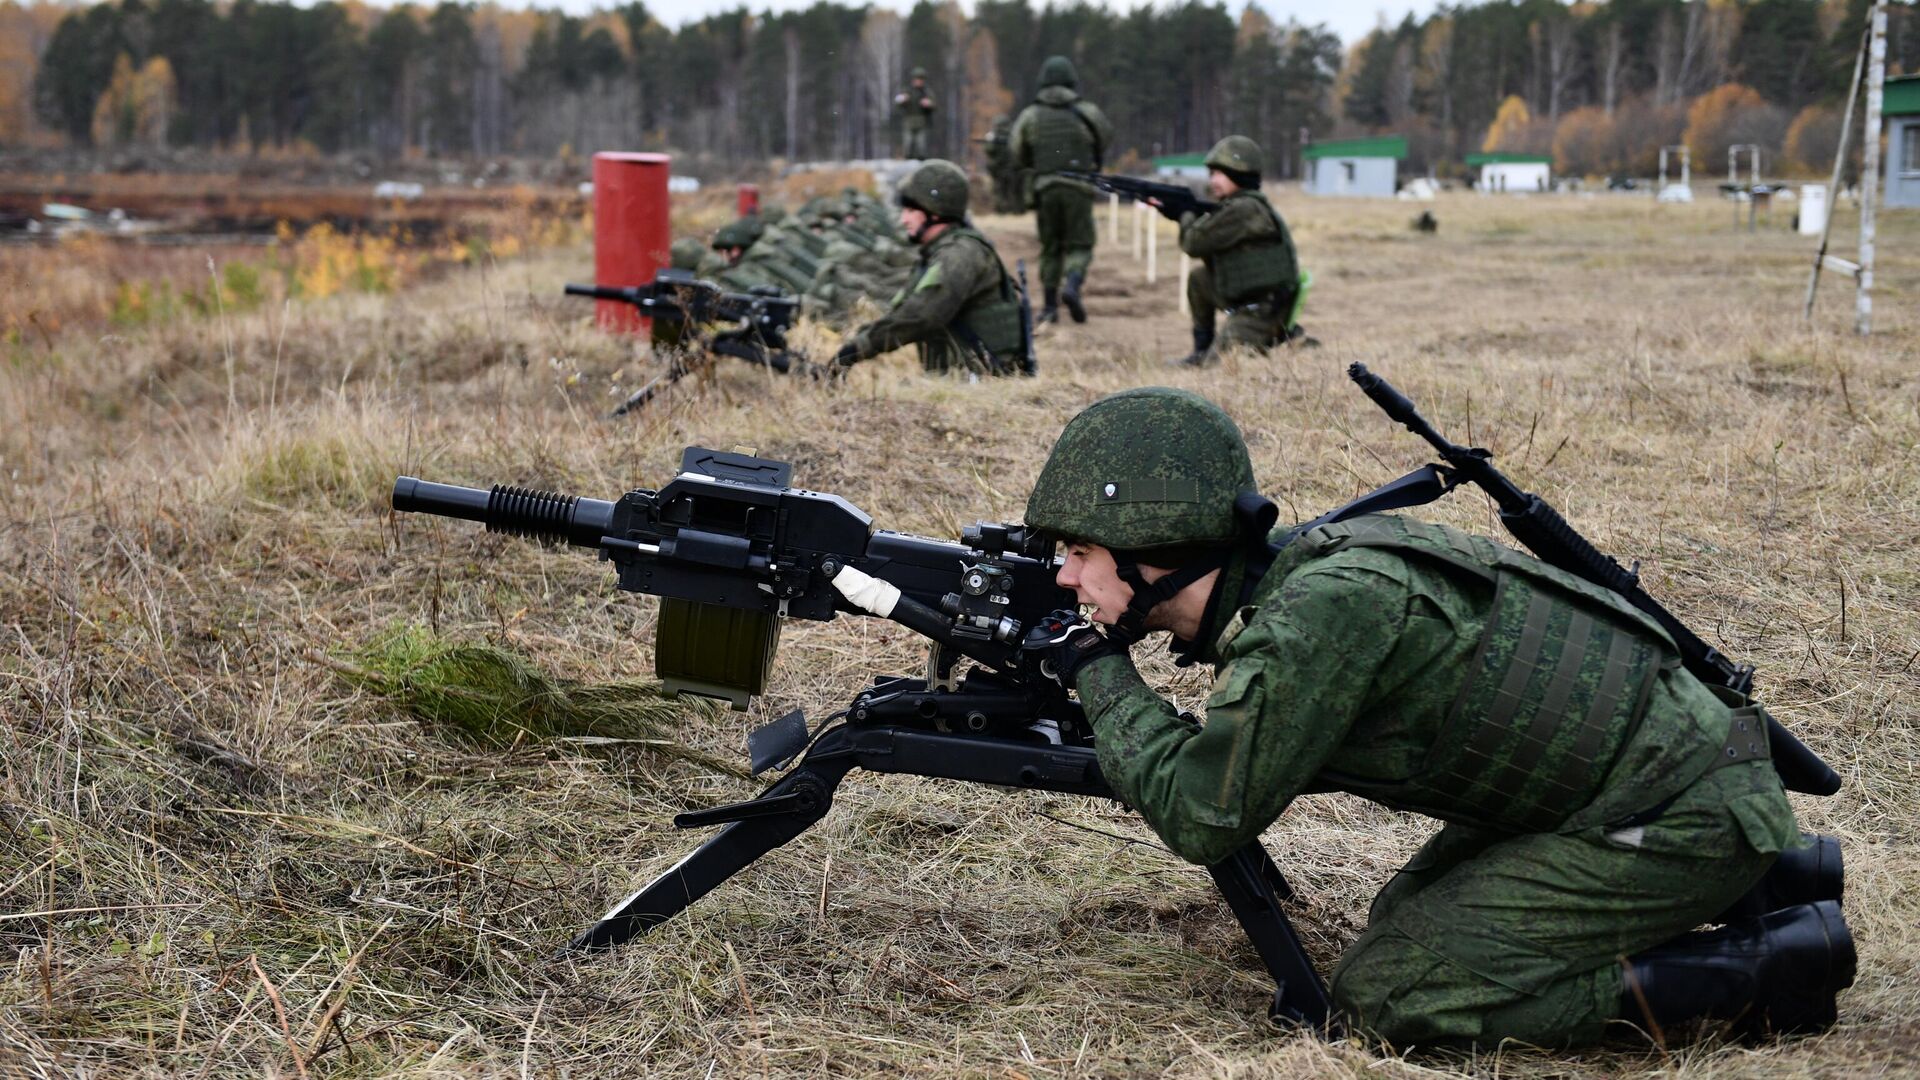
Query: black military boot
(1202, 353)
(1777, 974)
(1799, 876)
(1050, 306)
(1071, 295)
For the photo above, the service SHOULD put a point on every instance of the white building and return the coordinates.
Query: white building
(1369, 166)
(1512, 172)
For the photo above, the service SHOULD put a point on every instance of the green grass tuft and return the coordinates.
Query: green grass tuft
(496, 698)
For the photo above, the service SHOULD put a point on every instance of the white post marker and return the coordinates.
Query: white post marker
(1139, 241)
(1113, 218)
(1870, 167)
(1813, 209)
(1153, 248)
(1186, 268)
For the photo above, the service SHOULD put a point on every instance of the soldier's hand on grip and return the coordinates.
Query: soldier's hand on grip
(1063, 643)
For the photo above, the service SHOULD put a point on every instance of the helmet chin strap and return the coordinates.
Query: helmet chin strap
(1132, 624)
(926, 223)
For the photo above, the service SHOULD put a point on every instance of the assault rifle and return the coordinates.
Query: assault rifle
(1174, 199)
(1549, 536)
(731, 548)
(759, 319)
(1029, 362)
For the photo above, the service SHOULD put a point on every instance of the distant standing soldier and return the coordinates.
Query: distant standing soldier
(997, 144)
(1248, 265)
(960, 305)
(1059, 131)
(915, 106)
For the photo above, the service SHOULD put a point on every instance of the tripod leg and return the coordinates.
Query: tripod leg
(732, 850)
(1253, 888)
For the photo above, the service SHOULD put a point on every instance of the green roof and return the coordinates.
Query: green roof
(1508, 159)
(1393, 146)
(1178, 161)
(1903, 96)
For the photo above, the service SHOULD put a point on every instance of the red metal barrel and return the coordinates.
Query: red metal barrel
(747, 199)
(631, 237)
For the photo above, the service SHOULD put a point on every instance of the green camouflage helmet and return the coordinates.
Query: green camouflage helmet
(1144, 469)
(939, 188)
(686, 253)
(742, 233)
(1058, 71)
(737, 234)
(918, 73)
(1236, 152)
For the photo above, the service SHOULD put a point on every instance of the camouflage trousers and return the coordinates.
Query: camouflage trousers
(1486, 936)
(913, 143)
(1258, 328)
(1063, 213)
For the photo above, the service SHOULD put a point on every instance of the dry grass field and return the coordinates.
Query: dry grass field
(224, 854)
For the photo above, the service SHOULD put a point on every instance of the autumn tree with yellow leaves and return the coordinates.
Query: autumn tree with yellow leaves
(137, 106)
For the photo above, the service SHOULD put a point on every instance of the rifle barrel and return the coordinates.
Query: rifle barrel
(602, 292)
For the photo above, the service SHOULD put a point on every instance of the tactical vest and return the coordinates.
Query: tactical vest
(1063, 138)
(1558, 682)
(993, 320)
(1258, 268)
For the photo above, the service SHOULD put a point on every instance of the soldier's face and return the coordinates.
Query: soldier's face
(733, 255)
(1094, 577)
(1219, 185)
(913, 219)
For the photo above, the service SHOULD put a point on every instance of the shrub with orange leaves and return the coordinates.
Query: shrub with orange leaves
(1733, 115)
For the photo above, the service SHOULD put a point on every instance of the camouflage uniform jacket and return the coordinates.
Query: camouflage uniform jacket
(958, 271)
(1342, 672)
(915, 106)
(1242, 216)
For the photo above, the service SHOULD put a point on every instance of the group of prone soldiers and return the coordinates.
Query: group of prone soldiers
(830, 253)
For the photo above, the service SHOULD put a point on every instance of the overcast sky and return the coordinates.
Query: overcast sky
(1348, 18)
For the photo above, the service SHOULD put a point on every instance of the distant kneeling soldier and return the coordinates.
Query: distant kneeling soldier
(960, 305)
(1248, 265)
